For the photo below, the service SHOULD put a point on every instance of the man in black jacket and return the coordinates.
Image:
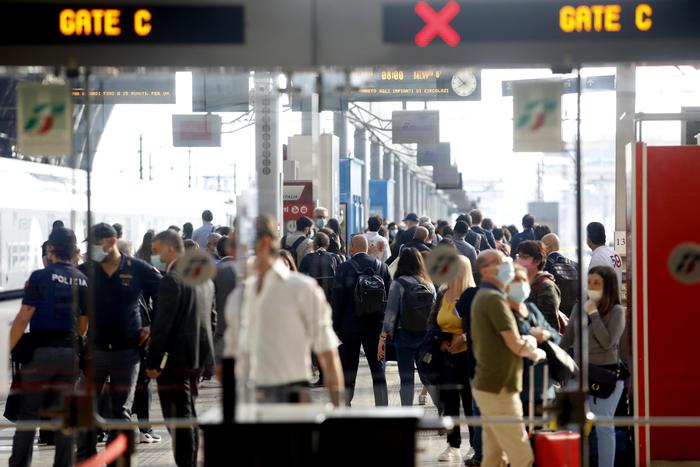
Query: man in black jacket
(412, 221)
(477, 218)
(476, 240)
(320, 264)
(528, 233)
(181, 345)
(354, 330)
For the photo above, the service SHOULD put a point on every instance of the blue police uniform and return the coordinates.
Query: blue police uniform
(57, 294)
(116, 327)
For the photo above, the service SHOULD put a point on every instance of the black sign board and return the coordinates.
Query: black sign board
(396, 85)
(480, 21)
(151, 88)
(33, 23)
(591, 83)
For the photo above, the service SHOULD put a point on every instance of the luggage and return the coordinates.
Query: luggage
(552, 449)
(557, 449)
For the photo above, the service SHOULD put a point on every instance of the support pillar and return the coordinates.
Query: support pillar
(377, 161)
(625, 95)
(268, 153)
(361, 153)
(399, 211)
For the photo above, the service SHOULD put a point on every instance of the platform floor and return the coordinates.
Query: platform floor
(159, 454)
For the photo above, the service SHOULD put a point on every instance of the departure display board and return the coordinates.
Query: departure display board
(151, 88)
(30, 23)
(453, 23)
(396, 84)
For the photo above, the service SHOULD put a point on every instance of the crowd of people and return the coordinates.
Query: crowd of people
(307, 309)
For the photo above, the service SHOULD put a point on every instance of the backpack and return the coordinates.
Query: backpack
(476, 238)
(566, 277)
(562, 319)
(370, 294)
(417, 301)
(293, 249)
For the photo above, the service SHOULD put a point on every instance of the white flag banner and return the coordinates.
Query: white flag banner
(44, 120)
(537, 116)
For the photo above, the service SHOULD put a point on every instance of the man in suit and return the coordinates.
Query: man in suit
(354, 329)
(412, 221)
(476, 240)
(181, 345)
(477, 218)
(528, 233)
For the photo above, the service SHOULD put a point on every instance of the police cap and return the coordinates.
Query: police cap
(63, 242)
(101, 231)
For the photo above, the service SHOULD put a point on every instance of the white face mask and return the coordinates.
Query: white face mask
(97, 253)
(595, 295)
(158, 263)
(519, 291)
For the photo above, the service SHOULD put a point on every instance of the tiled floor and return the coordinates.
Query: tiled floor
(429, 443)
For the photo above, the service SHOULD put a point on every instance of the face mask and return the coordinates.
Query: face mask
(506, 273)
(97, 253)
(595, 295)
(519, 291)
(393, 233)
(320, 223)
(158, 263)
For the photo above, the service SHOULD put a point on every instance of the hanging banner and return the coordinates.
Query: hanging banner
(196, 131)
(44, 116)
(537, 116)
(415, 126)
(433, 154)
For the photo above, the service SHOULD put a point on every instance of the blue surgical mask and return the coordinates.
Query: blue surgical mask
(158, 263)
(97, 253)
(519, 291)
(320, 222)
(506, 273)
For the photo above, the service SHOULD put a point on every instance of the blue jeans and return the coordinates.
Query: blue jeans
(407, 345)
(606, 433)
(476, 434)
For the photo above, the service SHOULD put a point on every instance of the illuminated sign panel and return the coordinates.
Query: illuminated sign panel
(65, 24)
(485, 21)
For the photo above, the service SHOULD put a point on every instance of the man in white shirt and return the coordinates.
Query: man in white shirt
(378, 246)
(202, 233)
(274, 322)
(603, 255)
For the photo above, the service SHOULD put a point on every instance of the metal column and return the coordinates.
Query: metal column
(407, 189)
(399, 211)
(377, 165)
(388, 169)
(268, 156)
(624, 135)
(340, 129)
(360, 143)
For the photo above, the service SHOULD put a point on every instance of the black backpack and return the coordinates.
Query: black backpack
(417, 301)
(566, 277)
(370, 294)
(293, 249)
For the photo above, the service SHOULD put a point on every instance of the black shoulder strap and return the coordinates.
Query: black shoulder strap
(297, 243)
(284, 241)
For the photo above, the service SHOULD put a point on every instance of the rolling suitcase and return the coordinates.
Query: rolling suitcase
(552, 449)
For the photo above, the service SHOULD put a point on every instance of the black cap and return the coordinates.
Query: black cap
(461, 227)
(101, 231)
(62, 237)
(412, 217)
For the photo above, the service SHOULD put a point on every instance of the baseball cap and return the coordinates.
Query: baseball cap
(461, 227)
(412, 217)
(101, 231)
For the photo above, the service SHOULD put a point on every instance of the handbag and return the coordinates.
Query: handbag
(602, 379)
(561, 366)
(431, 360)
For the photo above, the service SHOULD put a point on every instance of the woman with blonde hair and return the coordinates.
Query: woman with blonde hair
(454, 380)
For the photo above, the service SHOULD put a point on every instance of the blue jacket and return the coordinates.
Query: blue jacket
(486, 234)
(345, 321)
(527, 234)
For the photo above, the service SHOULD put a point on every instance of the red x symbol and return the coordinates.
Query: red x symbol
(437, 24)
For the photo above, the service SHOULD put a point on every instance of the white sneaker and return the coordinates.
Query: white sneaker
(450, 454)
(147, 438)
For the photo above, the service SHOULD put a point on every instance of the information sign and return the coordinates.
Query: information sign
(44, 120)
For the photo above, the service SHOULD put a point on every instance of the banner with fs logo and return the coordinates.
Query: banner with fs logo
(537, 116)
(44, 120)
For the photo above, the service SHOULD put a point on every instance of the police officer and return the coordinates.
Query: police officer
(53, 305)
(119, 334)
